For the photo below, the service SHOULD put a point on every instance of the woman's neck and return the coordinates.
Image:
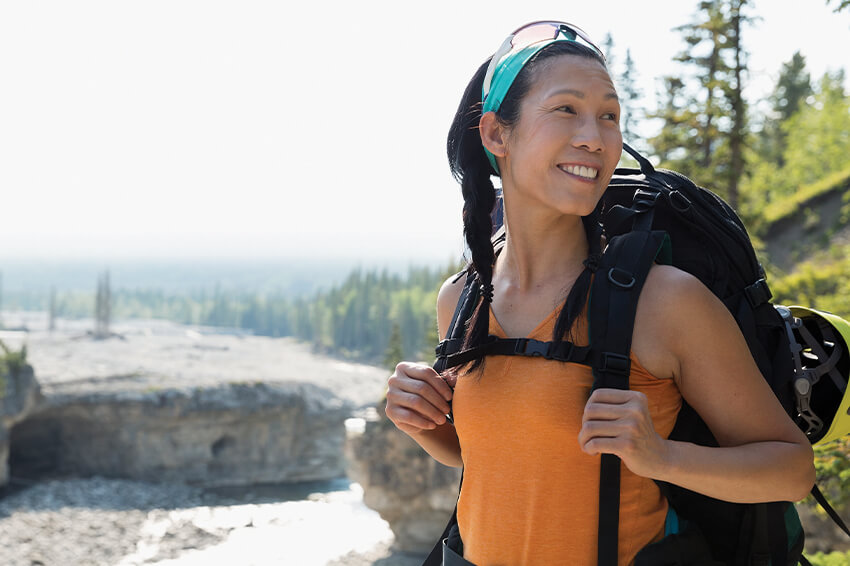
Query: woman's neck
(540, 250)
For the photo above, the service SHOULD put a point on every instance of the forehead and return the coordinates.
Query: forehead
(575, 73)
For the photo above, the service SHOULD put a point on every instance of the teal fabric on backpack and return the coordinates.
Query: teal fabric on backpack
(671, 524)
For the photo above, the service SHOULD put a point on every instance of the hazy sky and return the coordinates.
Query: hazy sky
(252, 129)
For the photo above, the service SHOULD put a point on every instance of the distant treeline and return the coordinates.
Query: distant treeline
(355, 319)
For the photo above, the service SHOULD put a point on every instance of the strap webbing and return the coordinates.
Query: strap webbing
(463, 310)
(495, 346)
(613, 304)
(833, 514)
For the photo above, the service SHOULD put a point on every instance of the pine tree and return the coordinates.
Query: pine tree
(608, 50)
(103, 307)
(793, 87)
(677, 141)
(734, 93)
(631, 95)
(394, 352)
(705, 113)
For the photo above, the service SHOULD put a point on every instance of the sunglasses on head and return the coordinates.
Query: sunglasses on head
(532, 33)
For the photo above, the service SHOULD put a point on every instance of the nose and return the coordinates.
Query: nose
(588, 136)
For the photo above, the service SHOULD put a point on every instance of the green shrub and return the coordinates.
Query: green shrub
(831, 559)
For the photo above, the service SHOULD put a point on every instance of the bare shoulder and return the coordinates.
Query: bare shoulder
(678, 300)
(666, 284)
(447, 300)
(671, 303)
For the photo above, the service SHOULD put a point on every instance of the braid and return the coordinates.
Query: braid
(577, 298)
(479, 199)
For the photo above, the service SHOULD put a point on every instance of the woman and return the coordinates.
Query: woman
(543, 115)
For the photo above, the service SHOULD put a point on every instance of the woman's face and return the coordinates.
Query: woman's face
(567, 142)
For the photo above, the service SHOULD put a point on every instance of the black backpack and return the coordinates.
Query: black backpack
(661, 216)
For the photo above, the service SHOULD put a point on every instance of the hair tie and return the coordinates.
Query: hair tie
(592, 262)
(486, 292)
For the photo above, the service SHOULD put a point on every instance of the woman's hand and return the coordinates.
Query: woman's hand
(417, 398)
(618, 422)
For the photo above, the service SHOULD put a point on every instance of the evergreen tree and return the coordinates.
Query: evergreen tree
(394, 352)
(608, 50)
(677, 140)
(793, 87)
(103, 307)
(841, 4)
(734, 93)
(704, 127)
(631, 95)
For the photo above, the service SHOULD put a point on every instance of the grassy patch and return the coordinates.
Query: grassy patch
(780, 209)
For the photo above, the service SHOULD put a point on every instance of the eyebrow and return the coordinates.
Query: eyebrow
(580, 94)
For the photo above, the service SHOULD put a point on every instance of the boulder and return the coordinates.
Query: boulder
(224, 434)
(19, 395)
(412, 492)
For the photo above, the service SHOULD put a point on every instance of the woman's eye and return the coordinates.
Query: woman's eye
(568, 109)
(610, 116)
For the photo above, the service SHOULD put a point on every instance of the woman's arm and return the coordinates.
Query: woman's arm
(763, 456)
(418, 397)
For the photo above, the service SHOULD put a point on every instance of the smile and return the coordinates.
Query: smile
(580, 171)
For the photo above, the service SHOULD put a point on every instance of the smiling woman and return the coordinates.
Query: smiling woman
(530, 432)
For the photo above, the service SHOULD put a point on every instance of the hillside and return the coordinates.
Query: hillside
(805, 240)
(813, 220)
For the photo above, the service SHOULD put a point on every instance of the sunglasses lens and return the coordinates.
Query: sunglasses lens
(534, 34)
(545, 31)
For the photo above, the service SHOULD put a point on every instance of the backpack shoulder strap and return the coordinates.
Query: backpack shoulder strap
(453, 341)
(611, 316)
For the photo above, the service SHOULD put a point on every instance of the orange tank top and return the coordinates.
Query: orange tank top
(530, 495)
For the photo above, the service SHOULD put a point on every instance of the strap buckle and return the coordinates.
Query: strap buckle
(644, 200)
(447, 347)
(758, 293)
(531, 347)
(615, 363)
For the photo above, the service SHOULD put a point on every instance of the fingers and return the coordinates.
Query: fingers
(613, 404)
(428, 374)
(626, 427)
(425, 382)
(614, 418)
(409, 421)
(417, 398)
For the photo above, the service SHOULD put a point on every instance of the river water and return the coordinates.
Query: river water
(103, 522)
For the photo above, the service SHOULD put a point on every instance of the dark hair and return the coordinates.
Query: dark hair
(470, 167)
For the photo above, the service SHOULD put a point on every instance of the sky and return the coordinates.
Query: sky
(246, 129)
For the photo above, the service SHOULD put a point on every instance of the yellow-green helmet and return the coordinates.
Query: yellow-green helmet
(822, 366)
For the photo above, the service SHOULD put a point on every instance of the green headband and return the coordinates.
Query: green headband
(504, 76)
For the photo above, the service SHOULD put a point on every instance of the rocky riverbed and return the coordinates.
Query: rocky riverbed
(61, 520)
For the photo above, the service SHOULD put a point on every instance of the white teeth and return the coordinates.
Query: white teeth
(582, 171)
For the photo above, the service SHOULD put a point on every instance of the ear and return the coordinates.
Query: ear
(493, 134)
